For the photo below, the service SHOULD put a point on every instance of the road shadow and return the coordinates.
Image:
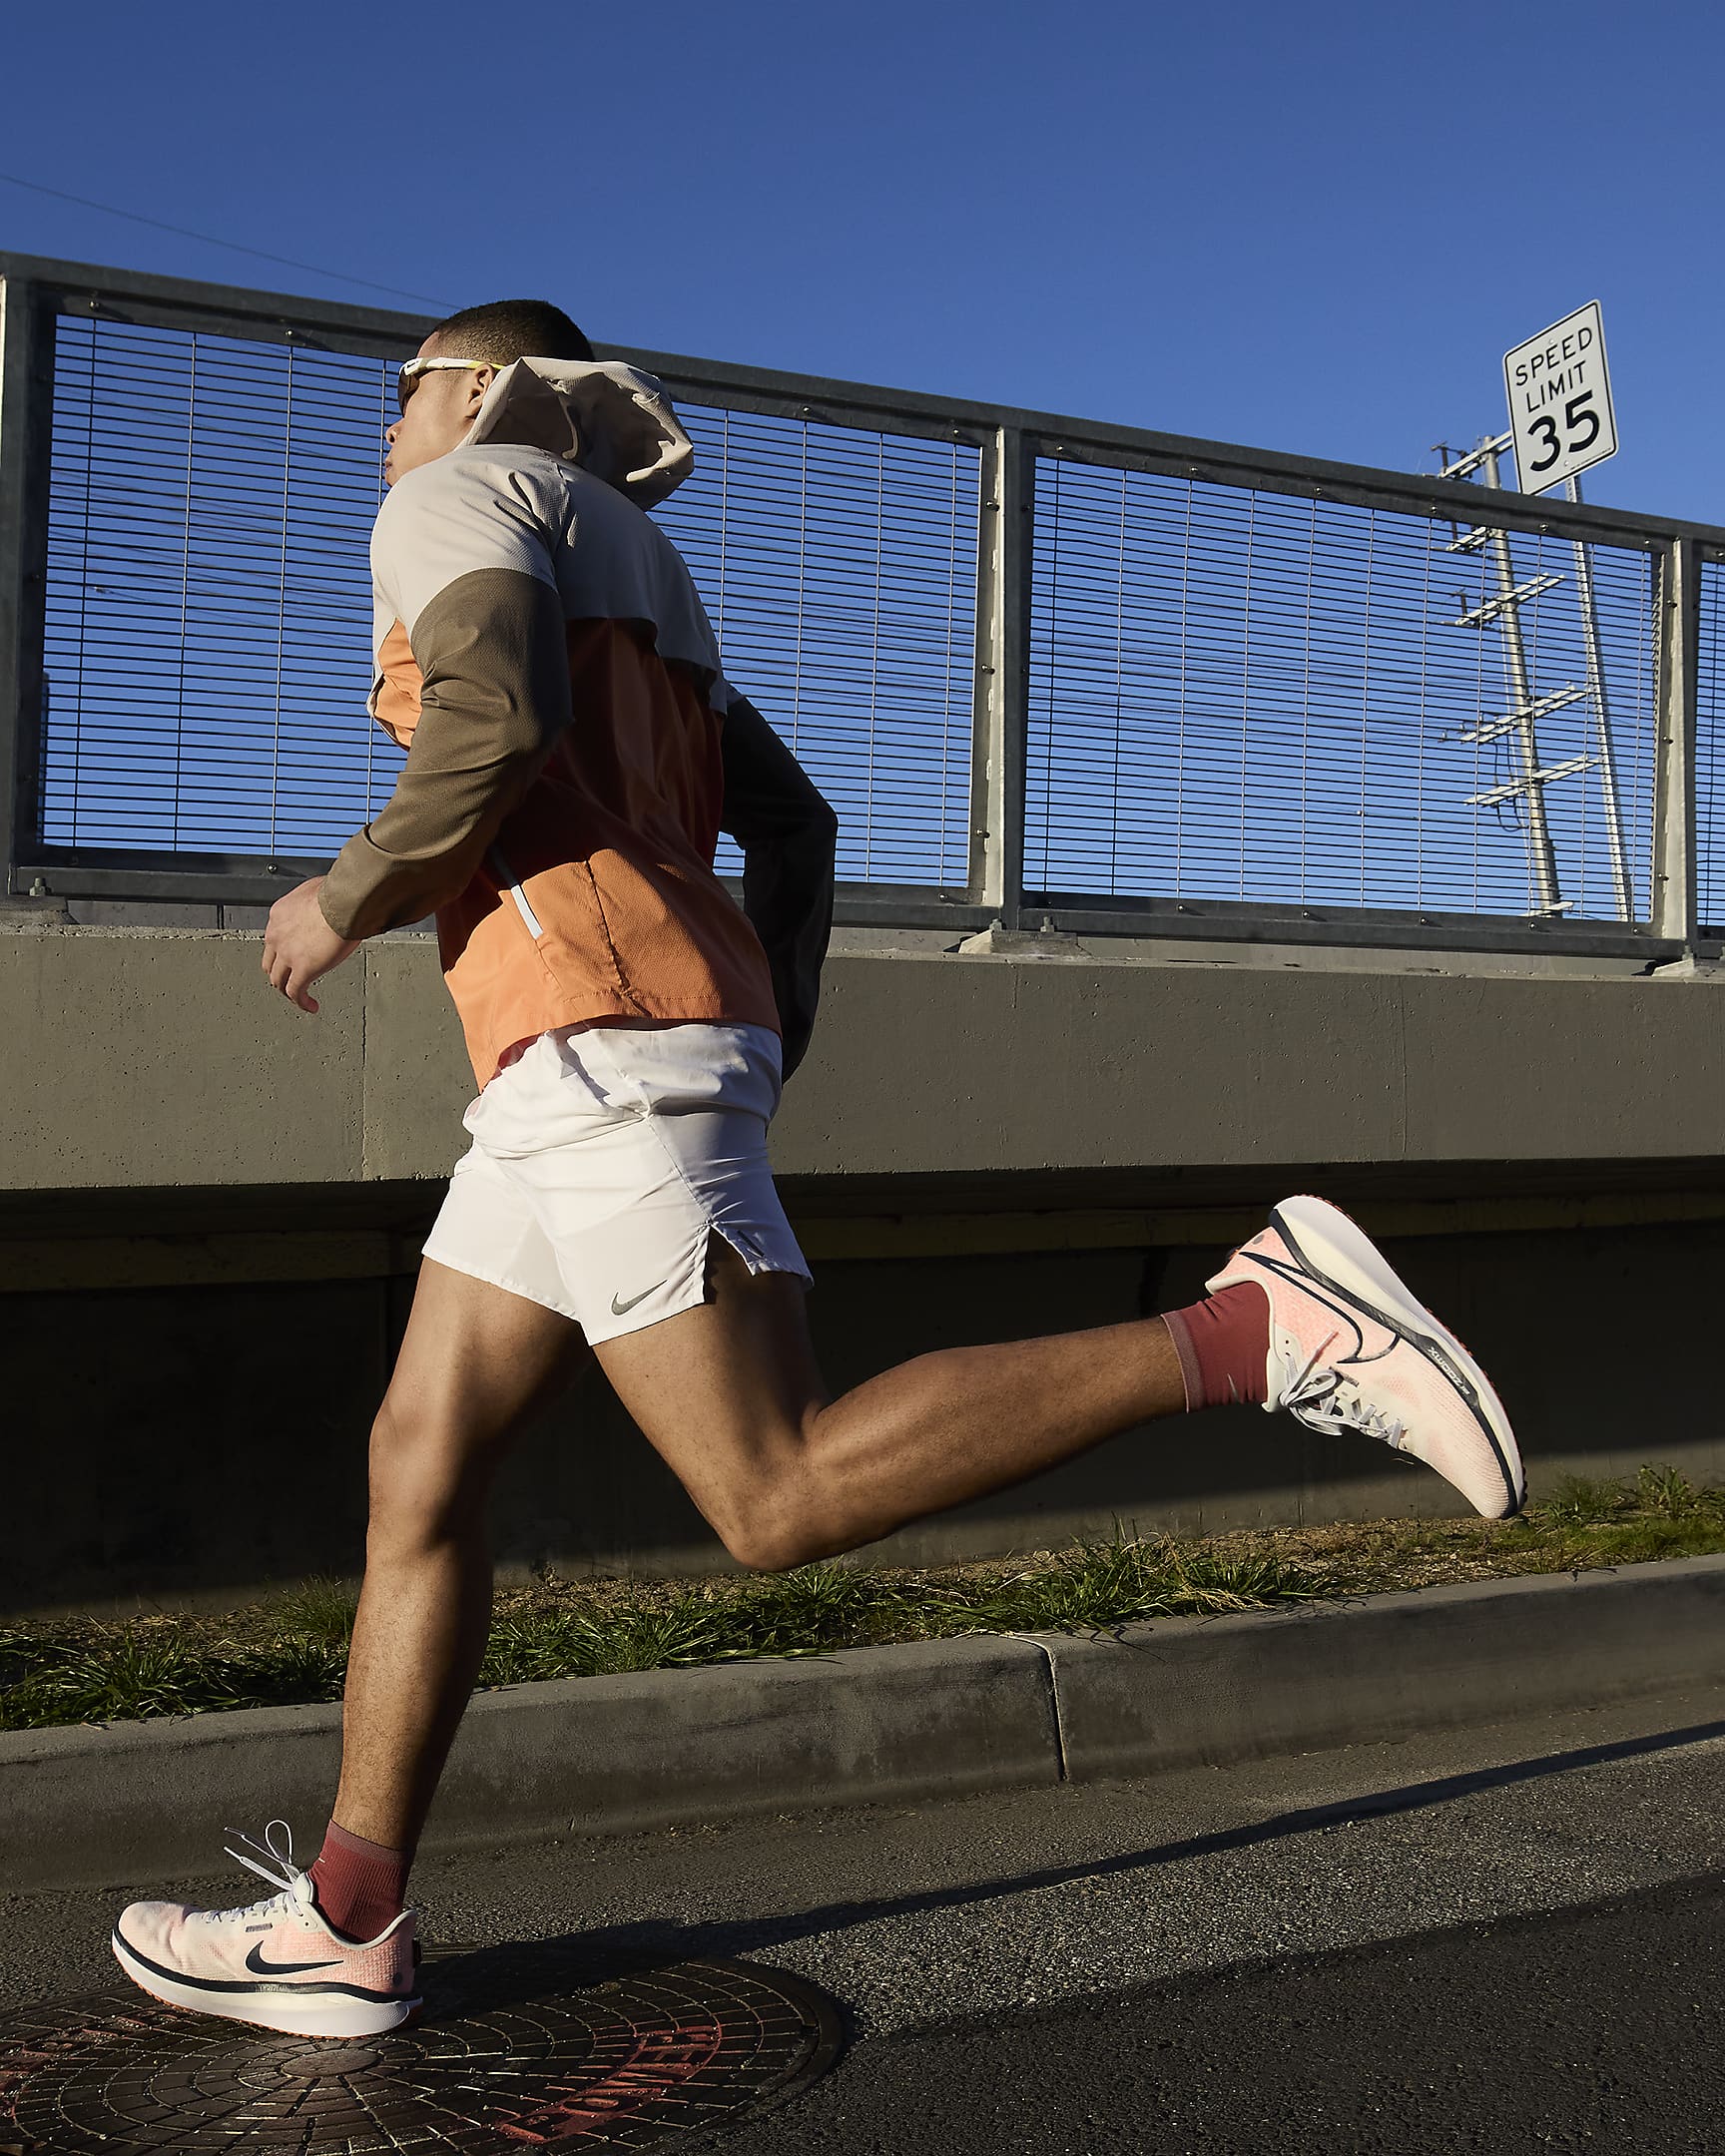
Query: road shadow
(617, 1949)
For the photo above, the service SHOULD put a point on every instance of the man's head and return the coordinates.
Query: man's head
(439, 403)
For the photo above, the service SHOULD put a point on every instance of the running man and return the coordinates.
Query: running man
(573, 753)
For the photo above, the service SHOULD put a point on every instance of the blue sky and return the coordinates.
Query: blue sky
(1312, 229)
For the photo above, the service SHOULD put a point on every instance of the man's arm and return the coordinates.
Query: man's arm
(492, 650)
(462, 559)
(790, 840)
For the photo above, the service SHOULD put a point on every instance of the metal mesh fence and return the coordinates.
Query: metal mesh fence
(209, 614)
(839, 569)
(1236, 694)
(1240, 694)
(209, 603)
(1709, 747)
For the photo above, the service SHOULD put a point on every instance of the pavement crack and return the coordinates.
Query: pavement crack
(1056, 1709)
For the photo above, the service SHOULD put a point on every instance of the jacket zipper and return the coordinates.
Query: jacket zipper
(507, 876)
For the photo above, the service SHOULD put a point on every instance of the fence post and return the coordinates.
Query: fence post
(1676, 882)
(998, 762)
(26, 401)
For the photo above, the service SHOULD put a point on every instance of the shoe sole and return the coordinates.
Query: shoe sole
(288, 2011)
(1344, 1257)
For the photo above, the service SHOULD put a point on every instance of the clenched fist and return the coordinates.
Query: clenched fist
(300, 947)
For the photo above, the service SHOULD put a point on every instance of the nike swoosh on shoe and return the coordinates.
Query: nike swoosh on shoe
(1332, 1297)
(259, 1967)
(1436, 1351)
(1399, 1330)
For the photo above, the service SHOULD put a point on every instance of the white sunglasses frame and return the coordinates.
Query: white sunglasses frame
(409, 376)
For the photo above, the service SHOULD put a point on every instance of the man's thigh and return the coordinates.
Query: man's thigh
(726, 1391)
(475, 1361)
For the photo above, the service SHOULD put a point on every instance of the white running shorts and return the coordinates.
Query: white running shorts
(605, 1158)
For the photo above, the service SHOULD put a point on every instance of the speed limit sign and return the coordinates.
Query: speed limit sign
(1560, 401)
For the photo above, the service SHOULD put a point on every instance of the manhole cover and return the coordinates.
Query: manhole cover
(507, 2059)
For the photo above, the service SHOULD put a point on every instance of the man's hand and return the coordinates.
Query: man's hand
(300, 947)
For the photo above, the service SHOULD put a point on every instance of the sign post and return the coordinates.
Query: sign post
(1561, 422)
(1560, 393)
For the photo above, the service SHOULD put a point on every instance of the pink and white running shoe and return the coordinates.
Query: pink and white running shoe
(275, 1964)
(1350, 1350)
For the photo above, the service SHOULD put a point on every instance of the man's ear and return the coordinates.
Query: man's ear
(478, 381)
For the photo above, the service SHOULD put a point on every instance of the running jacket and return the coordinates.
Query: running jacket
(573, 750)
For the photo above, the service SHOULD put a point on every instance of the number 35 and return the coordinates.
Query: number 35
(1544, 430)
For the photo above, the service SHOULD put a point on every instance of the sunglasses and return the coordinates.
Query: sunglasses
(410, 375)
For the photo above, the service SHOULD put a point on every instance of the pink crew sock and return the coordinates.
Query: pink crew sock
(1224, 1346)
(360, 1884)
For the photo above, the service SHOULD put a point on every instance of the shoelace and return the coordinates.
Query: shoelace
(1325, 1398)
(279, 1869)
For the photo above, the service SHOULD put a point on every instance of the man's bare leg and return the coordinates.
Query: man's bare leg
(474, 1363)
(730, 1394)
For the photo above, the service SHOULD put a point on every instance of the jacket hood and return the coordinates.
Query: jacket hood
(609, 419)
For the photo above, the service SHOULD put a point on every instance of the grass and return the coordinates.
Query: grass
(293, 1648)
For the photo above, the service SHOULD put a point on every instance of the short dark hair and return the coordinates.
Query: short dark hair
(504, 330)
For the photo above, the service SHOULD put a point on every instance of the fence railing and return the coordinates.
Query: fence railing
(1050, 673)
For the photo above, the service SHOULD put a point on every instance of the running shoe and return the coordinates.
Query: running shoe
(1350, 1350)
(275, 1962)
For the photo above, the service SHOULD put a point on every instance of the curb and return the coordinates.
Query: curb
(130, 1802)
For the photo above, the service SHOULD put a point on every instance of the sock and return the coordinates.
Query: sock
(1224, 1346)
(360, 1884)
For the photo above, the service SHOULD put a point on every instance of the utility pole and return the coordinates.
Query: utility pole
(1605, 750)
(1502, 610)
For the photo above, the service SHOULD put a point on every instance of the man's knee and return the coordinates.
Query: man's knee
(424, 1489)
(759, 1549)
(772, 1531)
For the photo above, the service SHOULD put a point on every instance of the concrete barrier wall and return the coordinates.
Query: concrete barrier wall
(212, 1209)
(137, 1058)
(198, 1444)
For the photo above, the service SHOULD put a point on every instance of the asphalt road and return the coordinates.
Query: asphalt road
(1592, 2028)
(1498, 1940)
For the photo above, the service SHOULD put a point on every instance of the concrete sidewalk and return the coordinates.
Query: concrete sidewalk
(130, 1801)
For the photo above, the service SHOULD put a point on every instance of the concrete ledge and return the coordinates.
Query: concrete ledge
(139, 1801)
(1210, 1691)
(596, 1754)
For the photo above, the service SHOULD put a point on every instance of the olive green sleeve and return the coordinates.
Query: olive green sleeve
(492, 650)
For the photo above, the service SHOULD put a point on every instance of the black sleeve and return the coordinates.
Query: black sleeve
(790, 840)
